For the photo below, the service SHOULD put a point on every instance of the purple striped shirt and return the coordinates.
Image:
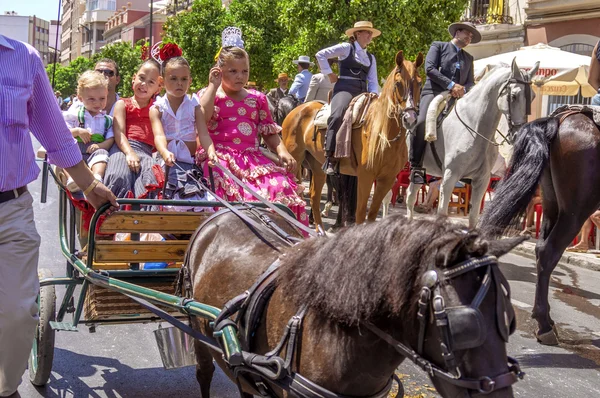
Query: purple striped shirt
(27, 103)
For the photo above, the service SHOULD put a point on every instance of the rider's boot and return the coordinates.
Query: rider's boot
(331, 166)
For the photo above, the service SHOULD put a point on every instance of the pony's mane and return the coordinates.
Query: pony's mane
(380, 116)
(369, 270)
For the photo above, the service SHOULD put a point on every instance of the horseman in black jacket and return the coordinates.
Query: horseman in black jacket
(448, 67)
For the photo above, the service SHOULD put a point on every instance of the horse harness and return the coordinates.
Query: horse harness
(261, 372)
(461, 327)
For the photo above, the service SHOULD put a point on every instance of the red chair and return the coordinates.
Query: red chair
(403, 181)
(489, 191)
(538, 219)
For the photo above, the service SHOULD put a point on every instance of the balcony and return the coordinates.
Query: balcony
(564, 10)
(485, 12)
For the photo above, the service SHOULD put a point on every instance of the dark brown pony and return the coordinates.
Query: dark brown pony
(367, 273)
(379, 146)
(565, 159)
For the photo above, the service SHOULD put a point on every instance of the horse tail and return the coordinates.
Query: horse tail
(531, 153)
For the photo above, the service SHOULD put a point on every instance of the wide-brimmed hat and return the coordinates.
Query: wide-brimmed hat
(303, 59)
(363, 25)
(466, 26)
(281, 76)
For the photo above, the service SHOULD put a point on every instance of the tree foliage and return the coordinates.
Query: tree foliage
(278, 31)
(128, 59)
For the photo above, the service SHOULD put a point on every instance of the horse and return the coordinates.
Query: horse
(465, 147)
(360, 299)
(564, 157)
(379, 145)
(281, 108)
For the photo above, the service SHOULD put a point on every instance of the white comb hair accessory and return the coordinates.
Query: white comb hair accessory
(232, 37)
(155, 52)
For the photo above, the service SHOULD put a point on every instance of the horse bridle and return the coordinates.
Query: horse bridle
(457, 326)
(401, 111)
(507, 86)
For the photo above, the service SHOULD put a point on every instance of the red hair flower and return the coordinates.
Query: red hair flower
(170, 50)
(145, 53)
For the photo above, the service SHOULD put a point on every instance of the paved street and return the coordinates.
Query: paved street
(123, 361)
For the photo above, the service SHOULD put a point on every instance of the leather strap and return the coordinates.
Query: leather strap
(12, 194)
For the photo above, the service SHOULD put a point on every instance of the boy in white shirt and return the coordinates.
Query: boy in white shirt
(90, 125)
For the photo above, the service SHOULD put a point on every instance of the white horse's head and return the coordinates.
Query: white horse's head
(516, 95)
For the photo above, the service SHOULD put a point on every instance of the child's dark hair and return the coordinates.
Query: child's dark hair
(174, 61)
(226, 54)
(153, 62)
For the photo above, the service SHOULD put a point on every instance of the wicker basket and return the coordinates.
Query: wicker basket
(102, 304)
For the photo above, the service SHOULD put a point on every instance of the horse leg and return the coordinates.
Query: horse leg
(351, 187)
(204, 368)
(478, 188)
(387, 200)
(365, 182)
(384, 184)
(411, 197)
(448, 183)
(316, 188)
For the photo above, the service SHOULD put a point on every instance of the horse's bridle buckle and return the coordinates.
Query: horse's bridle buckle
(487, 385)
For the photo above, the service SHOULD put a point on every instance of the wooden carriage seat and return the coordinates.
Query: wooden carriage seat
(111, 255)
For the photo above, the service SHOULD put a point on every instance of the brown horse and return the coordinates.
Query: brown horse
(379, 146)
(366, 277)
(565, 159)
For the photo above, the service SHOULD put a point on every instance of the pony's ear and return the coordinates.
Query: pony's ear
(500, 247)
(468, 245)
(515, 69)
(533, 71)
(400, 59)
(419, 60)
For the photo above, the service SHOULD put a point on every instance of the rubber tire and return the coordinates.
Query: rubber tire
(44, 335)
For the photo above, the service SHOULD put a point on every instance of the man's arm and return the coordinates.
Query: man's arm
(313, 87)
(432, 65)
(298, 80)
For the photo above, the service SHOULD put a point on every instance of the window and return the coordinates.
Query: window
(110, 5)
(556, 101)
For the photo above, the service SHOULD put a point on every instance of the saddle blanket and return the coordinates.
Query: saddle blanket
(358, 113)
(590, 109)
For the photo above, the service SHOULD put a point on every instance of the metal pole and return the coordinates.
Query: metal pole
(151, 14)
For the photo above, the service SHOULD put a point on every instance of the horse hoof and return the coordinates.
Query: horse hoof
(548, 338)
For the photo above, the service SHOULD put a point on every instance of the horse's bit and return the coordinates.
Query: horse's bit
(408, 99)
(461, 328)
(527, 84)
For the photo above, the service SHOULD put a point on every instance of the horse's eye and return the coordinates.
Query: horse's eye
(513, 96)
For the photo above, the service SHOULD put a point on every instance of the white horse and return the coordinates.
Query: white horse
(465, 141)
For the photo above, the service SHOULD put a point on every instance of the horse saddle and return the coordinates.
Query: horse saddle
(358, 106)
(565, 111)
(438, 110)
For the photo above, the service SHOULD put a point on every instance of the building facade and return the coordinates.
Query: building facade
(32, 30)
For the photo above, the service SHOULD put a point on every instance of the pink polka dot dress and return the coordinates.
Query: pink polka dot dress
(234, 128)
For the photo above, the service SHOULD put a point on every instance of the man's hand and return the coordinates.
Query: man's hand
(457, 91)
(101, 195)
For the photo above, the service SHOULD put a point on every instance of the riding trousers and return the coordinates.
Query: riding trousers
(19, 285)
(417, 136)
(343, 92)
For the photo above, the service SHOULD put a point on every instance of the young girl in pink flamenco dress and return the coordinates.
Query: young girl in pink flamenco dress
(236, 117)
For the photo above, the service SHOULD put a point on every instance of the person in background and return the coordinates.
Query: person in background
(320, 86)
(301, 81)
(282, 90)
(59, 99)
(28, 104)
(448, 67)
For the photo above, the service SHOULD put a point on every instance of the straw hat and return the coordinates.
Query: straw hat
(281, 76)
(303, 59)
(466, 26)
(363, 25)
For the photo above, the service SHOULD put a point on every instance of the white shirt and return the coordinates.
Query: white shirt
(179, 126)
(94, 124)
(342, 51)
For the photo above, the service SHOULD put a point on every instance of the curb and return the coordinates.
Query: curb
(588, 261)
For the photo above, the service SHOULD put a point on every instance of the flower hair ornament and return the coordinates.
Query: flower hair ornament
(231, 37)
(162, 52)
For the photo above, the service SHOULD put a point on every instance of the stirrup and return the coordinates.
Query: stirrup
(331, 167)
(417, 175)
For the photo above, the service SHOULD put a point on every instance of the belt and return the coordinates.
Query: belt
(12, 194)
(350, 78)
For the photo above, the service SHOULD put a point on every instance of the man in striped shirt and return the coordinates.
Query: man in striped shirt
(27, 103)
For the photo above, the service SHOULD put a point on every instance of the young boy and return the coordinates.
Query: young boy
(90, 125)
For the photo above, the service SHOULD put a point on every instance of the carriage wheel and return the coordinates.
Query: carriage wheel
(42, 352)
